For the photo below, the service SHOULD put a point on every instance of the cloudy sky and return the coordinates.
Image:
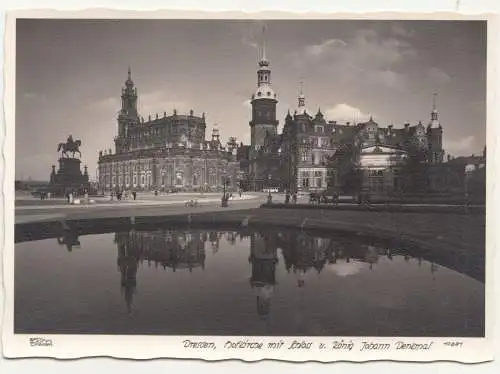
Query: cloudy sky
(70, 73)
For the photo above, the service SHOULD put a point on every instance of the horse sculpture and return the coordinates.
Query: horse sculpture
(71, 146)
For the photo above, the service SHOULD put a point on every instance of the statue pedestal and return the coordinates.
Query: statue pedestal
(69, 170)
(69, 177)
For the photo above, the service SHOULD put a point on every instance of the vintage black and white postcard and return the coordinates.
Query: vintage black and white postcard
(235, 186)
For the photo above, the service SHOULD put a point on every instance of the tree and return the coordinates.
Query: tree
(345, 164)
(415, 169)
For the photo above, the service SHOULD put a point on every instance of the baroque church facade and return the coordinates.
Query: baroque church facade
(299, 158)
(165, 152)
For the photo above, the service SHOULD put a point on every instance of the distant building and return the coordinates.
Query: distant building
(473, 169)
(165, 152)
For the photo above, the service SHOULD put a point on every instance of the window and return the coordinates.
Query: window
(304, 156)
(376, 173)
(195, 180)
(317, 159)
(179, 180)
(211, 179)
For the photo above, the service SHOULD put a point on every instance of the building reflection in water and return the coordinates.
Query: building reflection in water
(185, 250)
(175, 250)
(264, 258)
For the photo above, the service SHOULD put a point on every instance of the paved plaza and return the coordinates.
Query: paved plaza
(456, 232)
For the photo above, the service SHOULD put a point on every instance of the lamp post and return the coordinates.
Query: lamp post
(224, 185)
(269, 197)
(224, 197)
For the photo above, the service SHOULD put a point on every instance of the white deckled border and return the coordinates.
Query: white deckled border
(146, 347)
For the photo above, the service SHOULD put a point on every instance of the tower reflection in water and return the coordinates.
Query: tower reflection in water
(301, 253)
(175, 250)
(264, 258)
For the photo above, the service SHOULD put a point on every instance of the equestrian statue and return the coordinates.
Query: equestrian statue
(71, 146)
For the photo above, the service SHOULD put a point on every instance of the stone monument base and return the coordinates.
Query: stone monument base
(69, 178)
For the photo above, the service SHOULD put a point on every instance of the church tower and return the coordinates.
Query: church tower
(128, 113)
(263, 102)
(435, 136)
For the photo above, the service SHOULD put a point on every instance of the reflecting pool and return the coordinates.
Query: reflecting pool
(245, 282)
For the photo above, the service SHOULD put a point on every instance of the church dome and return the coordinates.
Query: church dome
(264, 91)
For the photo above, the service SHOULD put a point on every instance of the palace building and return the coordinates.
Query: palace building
(302, 157)
(165, 152)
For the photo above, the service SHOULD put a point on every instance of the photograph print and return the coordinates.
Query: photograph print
(250, 178)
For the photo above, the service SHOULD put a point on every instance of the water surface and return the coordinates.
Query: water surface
(266, 282)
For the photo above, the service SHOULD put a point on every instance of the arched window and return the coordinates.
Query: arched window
(179, 180)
